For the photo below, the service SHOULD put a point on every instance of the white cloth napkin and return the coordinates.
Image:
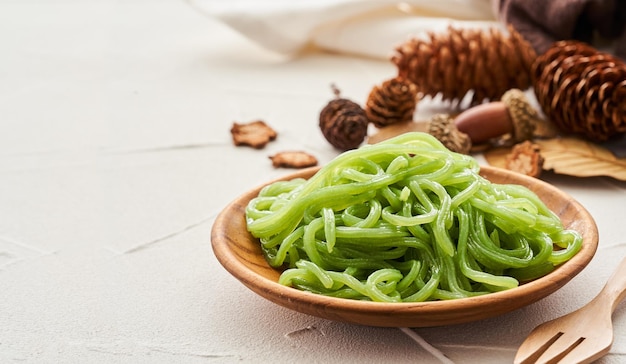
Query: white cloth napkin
(371, 28)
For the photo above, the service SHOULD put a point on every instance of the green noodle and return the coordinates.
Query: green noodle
(406, 220)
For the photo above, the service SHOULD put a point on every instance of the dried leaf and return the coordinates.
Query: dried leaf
(576, 157)
(497, 156)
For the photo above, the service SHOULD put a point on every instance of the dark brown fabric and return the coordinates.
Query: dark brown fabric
(542, 22)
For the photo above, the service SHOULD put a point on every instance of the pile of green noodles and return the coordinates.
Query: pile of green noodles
(406, 220)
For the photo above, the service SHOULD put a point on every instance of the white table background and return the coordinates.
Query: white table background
(116, 157)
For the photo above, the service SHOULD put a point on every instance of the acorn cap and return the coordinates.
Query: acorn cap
(442, 127)
(523, 115)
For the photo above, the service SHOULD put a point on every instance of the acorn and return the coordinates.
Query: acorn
(512, 115)
(441, 126)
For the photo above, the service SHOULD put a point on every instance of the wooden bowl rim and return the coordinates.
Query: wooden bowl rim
(343, 309)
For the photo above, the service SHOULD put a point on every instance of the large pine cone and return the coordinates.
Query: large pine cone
(393, 101)
(582, 90)
(485, 62)
(343, 123)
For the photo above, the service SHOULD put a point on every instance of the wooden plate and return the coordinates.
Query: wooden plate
(241, 255)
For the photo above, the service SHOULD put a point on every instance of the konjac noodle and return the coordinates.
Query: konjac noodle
(406, 220)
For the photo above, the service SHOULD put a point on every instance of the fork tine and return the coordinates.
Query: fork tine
(560, 347)
(588, 351)
(568, 349)
(533, 347)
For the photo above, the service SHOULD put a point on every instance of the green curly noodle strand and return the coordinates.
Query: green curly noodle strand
(406, 220)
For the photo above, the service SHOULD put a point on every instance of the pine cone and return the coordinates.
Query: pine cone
(453, 64)
(392, 102)
(582, 90)
(343, 123)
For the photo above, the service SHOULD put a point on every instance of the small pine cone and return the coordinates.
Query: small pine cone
(343, 123)
(453, 64)
(392, 102)
(581, 90)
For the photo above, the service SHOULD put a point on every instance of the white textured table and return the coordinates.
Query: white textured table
(116, 157)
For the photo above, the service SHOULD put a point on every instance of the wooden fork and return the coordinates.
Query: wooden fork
(582, 336)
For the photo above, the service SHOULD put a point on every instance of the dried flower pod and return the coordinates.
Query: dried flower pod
(442, 127)
(343, 123)
(394, 101)
(525, 158)
(486, 63)
(255, 134)
(582, 90)
(293, 159)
